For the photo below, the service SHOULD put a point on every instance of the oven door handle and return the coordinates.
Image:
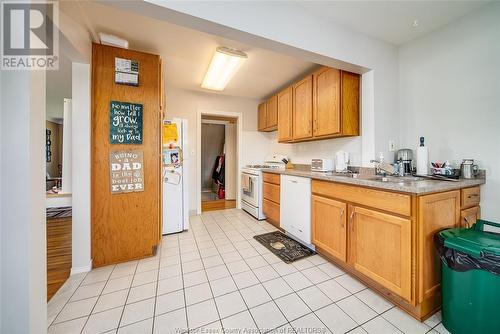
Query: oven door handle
(248, 177)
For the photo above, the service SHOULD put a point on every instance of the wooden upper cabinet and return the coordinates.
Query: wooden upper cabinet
(285, 121)
(329, 230)
(302, 108)
(272, 113)
(326, 110)
(268, 115)
(380, 248)
(349, 94)
(262, 116)
(322, 105)
(435, 212)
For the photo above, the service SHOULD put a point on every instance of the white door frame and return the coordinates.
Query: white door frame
(239, 128)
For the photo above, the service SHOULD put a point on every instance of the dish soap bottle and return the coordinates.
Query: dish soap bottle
(422, 158)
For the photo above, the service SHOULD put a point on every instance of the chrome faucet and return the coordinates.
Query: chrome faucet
(377, 166)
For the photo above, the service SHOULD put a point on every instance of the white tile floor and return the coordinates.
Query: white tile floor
(217, 277)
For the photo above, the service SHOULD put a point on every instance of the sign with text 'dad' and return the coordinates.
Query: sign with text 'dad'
(125, 123)
(126, 171)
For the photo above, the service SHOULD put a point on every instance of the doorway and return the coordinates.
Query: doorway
(218, 160)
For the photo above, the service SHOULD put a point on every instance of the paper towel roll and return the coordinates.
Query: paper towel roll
(422, 160)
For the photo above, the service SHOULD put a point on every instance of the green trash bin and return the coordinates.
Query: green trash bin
(470, 278)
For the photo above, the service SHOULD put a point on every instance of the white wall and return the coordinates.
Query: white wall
(23, 245)
(81, 260)
(450, 93)
(302, 153)
(185, 104)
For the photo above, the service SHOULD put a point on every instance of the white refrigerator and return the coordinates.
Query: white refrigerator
(175, 187)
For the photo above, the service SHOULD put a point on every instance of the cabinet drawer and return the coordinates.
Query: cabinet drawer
(382, 200)
(470, 197)
(271, 178)
(272, 211)
(271, 192)
(469, 216)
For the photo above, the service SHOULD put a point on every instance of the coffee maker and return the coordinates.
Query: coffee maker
(404, 159)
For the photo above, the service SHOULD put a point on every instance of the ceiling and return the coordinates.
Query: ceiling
(187, 53)
(391, 21)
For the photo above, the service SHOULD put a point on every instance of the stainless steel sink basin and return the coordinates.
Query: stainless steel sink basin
(380, 178)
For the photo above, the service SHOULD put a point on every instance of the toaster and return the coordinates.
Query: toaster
(321, 165)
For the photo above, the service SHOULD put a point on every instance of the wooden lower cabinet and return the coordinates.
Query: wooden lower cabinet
(389, 247)
(329, 230)
(272, 212)
(380, 248)
(435, 212)
(271, 198)
(469, 216)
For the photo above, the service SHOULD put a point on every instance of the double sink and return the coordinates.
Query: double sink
(381, 178)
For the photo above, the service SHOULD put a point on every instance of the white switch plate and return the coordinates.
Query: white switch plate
(392, 146)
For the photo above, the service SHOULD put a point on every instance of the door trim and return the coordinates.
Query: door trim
(239, 127)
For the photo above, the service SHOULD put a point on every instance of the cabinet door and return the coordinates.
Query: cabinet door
(326, 108)
(350, 84)
(262, 116)
(380, 248)
(272, 113)
(469, 216)
(285, 115)
(302, 108)
(435, 212)
(272, 212)
(271, 192)
(329, 226)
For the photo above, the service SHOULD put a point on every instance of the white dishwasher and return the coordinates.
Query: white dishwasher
(295, 207)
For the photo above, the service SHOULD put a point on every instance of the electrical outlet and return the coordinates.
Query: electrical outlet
(392, 146)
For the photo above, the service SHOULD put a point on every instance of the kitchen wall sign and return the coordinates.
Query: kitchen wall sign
(126, 171)
(125, 123)
(126, 72)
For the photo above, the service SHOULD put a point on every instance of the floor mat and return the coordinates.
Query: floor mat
(284, 247)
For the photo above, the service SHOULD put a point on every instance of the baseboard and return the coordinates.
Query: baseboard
(84, 269)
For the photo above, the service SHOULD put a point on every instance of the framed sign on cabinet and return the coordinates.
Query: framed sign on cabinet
(125, 123)
(126, 171)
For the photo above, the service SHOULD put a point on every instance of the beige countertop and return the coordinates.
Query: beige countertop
(400, 184)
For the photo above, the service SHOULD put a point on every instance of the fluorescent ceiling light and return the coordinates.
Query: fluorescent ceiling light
(225, 63)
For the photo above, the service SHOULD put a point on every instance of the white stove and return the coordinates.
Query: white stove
(251, 184)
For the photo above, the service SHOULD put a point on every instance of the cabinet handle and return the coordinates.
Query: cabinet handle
(472, 195)
(341, 217)
(351, 218)
(467, 222)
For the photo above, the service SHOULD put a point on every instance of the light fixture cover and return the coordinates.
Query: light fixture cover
(225, 63)
(112, 40)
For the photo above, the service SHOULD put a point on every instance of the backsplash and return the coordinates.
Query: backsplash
(303, 153)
